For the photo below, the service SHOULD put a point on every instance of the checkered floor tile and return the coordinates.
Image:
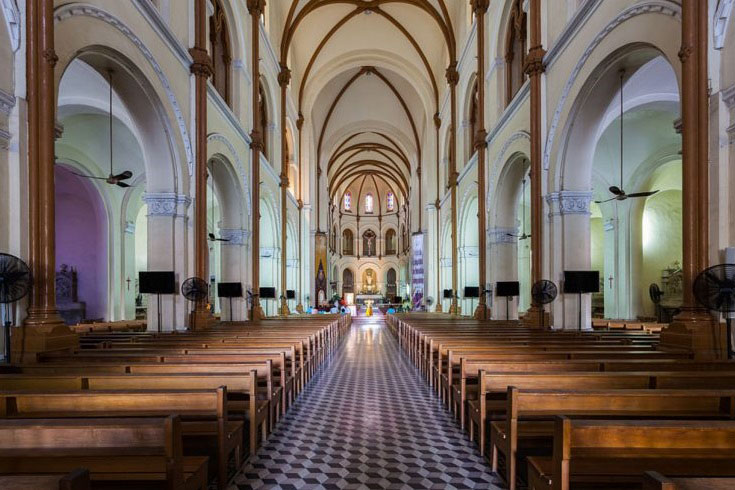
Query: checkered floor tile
(367, 421)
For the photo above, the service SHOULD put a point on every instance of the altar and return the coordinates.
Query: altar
(360, 299)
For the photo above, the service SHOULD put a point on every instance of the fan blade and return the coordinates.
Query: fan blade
(606, 200)
(511, 234)
(123, 175)
(616, 190)
(642, 194)
(89, 176)
(212, 237)
(122, 184)
(222, 239)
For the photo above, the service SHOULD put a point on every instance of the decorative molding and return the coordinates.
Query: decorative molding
(496, 64)
(234, 236)
(76, 9)
(130, 227)
(11, 14)
(151, 13)
(498, 164)
(581, 16)
(569, 202)
(270, 252)
(242, 170)
(659, 7)
(469, 166)
(728, 96)
(5, 139)
(523, 94)
(7, 102)
(226, 112)
(241, 66)
(166, 204)
(609, 225)
(502, 236)
(292, 263)
(721, 17)
(469, 252)
(269, 169)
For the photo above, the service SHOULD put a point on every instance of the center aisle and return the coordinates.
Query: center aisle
(367, 421)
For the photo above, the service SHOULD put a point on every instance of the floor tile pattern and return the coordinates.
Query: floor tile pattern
(367, 421)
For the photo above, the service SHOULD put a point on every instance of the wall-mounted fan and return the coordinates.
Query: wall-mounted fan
(112, 179)
(523, 235)
(714, 288)
(617, 191)
(211, 235)
(15, 283)
(543, 292)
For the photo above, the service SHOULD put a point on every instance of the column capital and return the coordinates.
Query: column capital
(284, 76)
(256, 7)
(437, 121)
(502, 236)
(300, 122)
(535, 61)
(569, 202)
(256, 140)
(284, 180)
(480, 139)
(479, 7)
(452, 74)
(202, 63)
(51, 57)
(234, 236)
(166, 204)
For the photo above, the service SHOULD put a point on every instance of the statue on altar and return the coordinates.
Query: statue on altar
(369, 283)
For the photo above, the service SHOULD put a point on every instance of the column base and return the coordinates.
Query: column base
(201, 320)
(283, 310)
(695, 329)
(454, 308)
(300, 309)
(438, 308)
(481, 312)
(536, 317)
(257, 313)
(28, 341)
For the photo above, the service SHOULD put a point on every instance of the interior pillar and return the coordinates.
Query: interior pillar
(480, 8)
(694, 328)
(284, 77)
(535, 69)
(438, 206)
(300, 306)
(453, 80)
(255, 8)
(201, 68)
(43, 329)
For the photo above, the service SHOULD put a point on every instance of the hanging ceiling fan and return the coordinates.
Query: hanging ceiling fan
(618, 193)
(212, 236)
(522, 236)
(112, 179)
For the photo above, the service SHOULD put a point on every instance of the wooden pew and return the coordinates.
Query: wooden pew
(656, 481)
(620, 451)
(203, 413)
(75, 480)
(142, 451)
(529, 412)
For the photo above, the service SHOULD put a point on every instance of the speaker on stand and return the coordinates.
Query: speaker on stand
(507, 290)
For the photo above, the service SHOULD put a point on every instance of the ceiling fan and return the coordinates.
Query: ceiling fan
(618, 193)
(212, 236)
(112, 179)
(523, 236)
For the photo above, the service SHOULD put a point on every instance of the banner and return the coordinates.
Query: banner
(417, 271)
(320, 267)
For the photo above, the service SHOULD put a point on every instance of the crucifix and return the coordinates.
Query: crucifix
(128, 281)
(611, 281)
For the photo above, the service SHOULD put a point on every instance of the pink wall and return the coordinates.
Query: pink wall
(81, 238)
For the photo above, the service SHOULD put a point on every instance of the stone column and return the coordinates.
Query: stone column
(284, 77)
(535, 69)
(480, 8)
(201, 68)
(437, 205)
(453, 80)
(300, 293)
(255, 8)
(695, 328)
(43, 329)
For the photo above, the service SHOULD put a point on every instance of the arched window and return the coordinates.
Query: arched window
(390, 242)
(219, 36)
(515, 50)
(348, 201)
(348, 282)
(391, 289)
(369, 203)
(348, 243)
(263, 108)
(390, 201)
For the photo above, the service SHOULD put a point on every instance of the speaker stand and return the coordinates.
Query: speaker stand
(158, 300)
(580, 311)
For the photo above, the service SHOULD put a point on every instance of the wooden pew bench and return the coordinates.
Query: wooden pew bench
(620, 451)
(203, 413)
(656, 481)
(529, 413)
(135, 452)
(75, 480)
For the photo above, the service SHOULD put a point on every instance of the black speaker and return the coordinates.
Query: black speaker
(447, 294)
(471, 292)
(229, 290)
(290, 294)
(581, 282)
(268, 293)
(397, 300)
(157, 282)
(506, 289)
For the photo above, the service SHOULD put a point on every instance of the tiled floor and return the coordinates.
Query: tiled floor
(367, 421)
